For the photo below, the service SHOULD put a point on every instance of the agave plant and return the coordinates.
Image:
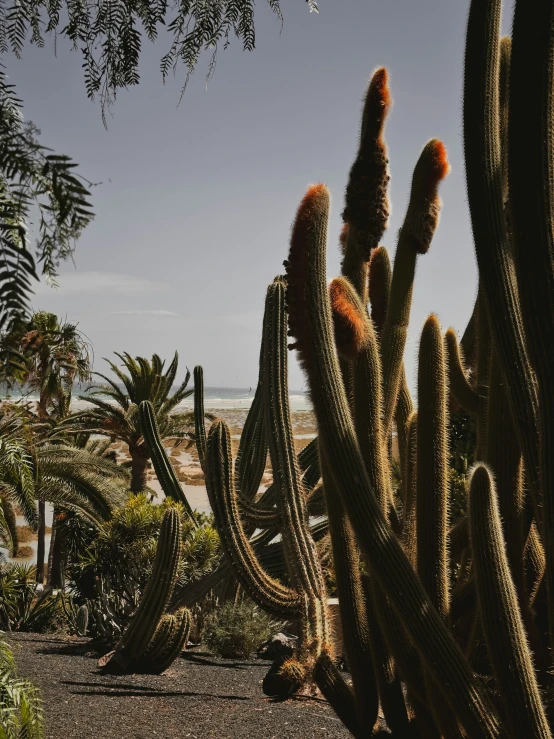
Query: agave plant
(114, 411)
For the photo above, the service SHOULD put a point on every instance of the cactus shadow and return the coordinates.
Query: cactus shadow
(138, 691)
(205, 658)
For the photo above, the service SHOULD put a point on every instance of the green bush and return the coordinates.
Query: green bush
(23, 606)
(111, 574)
(20, 702)
(237, 630)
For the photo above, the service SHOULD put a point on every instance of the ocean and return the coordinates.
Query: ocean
(224, 398)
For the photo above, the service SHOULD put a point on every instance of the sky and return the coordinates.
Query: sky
(196, 201)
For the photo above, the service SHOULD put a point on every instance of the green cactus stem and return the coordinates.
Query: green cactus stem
(167, 643)
(366, 208)
(460, 387)
(270, 594)
(310, 322)
(500, 616)
(432, 492)
(432, 468)
(301, 555)
(81, 620)
(138, 635)
(164, 469)
(497, 275)
(409, 530)
(415, 238)
(199, 415)
(335, 689)
(531, 175)
(353, 607)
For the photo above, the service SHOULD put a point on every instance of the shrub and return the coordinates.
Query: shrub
(23, 605)
(110, 576)
(237, 630)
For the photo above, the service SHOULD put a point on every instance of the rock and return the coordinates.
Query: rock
(277, 685)
(279, 646)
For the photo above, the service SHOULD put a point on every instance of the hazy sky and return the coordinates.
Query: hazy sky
(196, 202)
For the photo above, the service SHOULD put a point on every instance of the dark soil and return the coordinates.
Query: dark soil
(199, 697)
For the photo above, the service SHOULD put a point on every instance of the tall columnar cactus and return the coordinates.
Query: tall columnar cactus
(164, 469)
(427, 602)
(304, 596)
(148, 642)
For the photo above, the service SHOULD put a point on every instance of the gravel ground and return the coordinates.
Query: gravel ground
(199, 697)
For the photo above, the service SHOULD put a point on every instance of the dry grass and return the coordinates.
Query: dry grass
(26, 533)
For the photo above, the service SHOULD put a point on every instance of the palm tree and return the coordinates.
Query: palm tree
(33, 468)
(54, 355)
(21, 712)
(115, 408)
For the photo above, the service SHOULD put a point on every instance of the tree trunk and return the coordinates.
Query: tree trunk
(139, 466)
(57, 556)
(41, 540)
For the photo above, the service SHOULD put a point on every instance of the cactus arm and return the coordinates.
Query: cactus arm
(409, 531)
(494, 256)
(432, 467)
(432, 493)
(380, 277)
(300, 551)
(500, 615)
(468, 341)
(531, 199)
(352, 605)
(252, 453)
(535, 562)
(366, 208)
(391, 697)
(504, 458)
(310, 322)
(415, 238)
(257, 515)
(264, 590)
(460, 388)
(338, 694)
(199, 416)
(404, 409)
(155, 597)
(164, 469)
(315, 501)
(167, 643)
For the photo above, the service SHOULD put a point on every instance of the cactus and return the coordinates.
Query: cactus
(305, 597)
(499, 610)
(437, 604)
(141, 631)
(164, 469)
(81, 621)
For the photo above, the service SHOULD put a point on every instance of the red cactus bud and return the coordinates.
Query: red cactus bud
(343, 238)
(348, 318)
(310, 216)
(377, 103)
(422, 217)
